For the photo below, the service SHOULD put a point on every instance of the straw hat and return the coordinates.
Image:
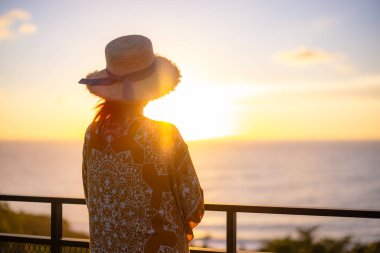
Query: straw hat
(133, 72)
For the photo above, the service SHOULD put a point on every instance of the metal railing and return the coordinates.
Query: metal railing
(56, 241)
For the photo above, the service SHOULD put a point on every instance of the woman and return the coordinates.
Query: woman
(140, 186)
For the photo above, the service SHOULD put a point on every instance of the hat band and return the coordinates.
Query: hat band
(111, 78)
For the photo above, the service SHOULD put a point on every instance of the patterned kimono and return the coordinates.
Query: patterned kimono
(140, 186)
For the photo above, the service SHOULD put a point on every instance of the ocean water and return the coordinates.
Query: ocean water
(306, 174)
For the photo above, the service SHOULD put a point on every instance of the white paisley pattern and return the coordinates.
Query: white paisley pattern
(140, 186)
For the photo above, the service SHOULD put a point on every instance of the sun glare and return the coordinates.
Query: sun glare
(199, 110)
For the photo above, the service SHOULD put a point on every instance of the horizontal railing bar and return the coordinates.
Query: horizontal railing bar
(83, 243)
(349, 213)
(35, 239)
(211, 250)
(42, 199)
(352, 213)
(75, 242)
(205, 250)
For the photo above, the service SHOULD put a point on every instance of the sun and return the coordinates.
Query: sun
(199, 110)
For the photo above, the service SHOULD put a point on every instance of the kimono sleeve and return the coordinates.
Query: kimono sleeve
(190, 193)
(84, 163)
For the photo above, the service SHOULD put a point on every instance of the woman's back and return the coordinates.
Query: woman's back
(141, 188)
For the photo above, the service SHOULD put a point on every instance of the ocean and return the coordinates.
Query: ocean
(334, 174)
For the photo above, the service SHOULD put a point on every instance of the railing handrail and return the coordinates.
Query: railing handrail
(42, 199)
(309, 211)
(57, 241)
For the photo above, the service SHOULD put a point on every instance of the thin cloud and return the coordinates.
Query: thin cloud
(363, 88)
(303, 56)
(16, 22)
(365, 92)
(324, 23)
(314, 94)
(344, 68)
(27, 28)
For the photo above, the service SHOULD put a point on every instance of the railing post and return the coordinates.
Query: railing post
(56, 226)
(231, 232)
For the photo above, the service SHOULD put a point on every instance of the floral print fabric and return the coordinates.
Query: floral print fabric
(141, 189)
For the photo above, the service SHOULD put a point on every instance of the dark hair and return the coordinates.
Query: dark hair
(115, 111)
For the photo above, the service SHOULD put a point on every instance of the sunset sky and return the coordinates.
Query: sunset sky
(253, 70)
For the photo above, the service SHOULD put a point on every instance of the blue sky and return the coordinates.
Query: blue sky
(295, 48)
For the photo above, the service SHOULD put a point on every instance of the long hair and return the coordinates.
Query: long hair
(114, 111)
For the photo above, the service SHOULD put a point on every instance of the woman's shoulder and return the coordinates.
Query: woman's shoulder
(161, 125)
(163, 131)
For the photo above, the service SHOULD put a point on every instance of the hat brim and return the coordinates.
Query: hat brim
(161, 82)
